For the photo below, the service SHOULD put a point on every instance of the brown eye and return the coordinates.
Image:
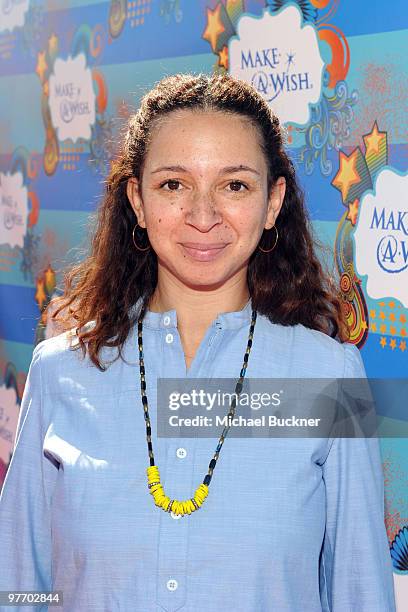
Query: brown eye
(173, 184)
(237, 185)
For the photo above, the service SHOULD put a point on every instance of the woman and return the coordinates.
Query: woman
(202, 265)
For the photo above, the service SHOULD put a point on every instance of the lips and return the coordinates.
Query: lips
(204, 247)
(203, 252)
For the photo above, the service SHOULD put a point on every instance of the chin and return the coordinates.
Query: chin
(203, 282)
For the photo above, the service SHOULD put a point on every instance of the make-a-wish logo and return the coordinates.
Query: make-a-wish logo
(281, 58)
(381, 237)
(72, 98)
(12, 14)
(13, 209)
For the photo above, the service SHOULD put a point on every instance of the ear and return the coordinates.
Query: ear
(275, 202)
(135, 199)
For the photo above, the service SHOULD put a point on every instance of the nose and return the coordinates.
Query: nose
(203, 212)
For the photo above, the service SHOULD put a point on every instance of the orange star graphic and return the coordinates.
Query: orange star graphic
(382, 315)
(372, 314)
(347, 174)
(374, 327)
(41, 67)
(372, 141)
(383, 341)
(49, 276)
(223, 57)
(364, 325)
(214, 26)
(403, 345)
(53, 44)
(393, 343)
(403, 318)
(40, 296)
(353, 211)
(383, 328)
(393, 330)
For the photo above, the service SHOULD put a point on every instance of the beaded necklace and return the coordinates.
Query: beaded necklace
(153, 476)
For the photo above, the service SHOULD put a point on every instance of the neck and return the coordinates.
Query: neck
(197, 309)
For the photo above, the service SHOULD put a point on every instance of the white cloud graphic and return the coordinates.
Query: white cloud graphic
(13, 209)
(381, 237)
(72, 98)
(12, 14)
(281, 59)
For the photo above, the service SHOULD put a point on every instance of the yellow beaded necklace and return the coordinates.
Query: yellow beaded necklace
(153, 476)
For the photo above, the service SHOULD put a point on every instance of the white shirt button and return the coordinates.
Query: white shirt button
(169, 338)
(172, 584)
(175, 516)
(181, 453)
(166, 320)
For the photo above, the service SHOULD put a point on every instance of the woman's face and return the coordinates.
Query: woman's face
(203, 196)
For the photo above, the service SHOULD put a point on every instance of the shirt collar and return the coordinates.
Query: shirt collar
(168, 319)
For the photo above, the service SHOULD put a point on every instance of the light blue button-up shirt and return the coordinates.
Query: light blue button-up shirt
(289, 524)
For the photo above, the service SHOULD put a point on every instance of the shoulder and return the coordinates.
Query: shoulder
(64, 367)
(312, 352)
(345, 356)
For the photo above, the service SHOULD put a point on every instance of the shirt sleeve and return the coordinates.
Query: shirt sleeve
(25, 526)
(356, 568)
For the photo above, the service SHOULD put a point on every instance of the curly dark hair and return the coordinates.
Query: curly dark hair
(289, 285)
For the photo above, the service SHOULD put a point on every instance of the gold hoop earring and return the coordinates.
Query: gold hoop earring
(276, 240)
(134, 242)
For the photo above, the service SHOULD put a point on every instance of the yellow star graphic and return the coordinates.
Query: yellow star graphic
(372, 141)
(41, 67)
(383, 341)
(353, 211)
(231, 4)
(347, 175)
(403, 345)
(393, 343)
(223, 57)
(364, 325)
(214, 26)
(374, 327)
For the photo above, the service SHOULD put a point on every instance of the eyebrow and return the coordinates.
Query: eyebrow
(225, 170)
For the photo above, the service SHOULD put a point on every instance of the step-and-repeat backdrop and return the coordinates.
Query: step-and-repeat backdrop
(335, 71)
